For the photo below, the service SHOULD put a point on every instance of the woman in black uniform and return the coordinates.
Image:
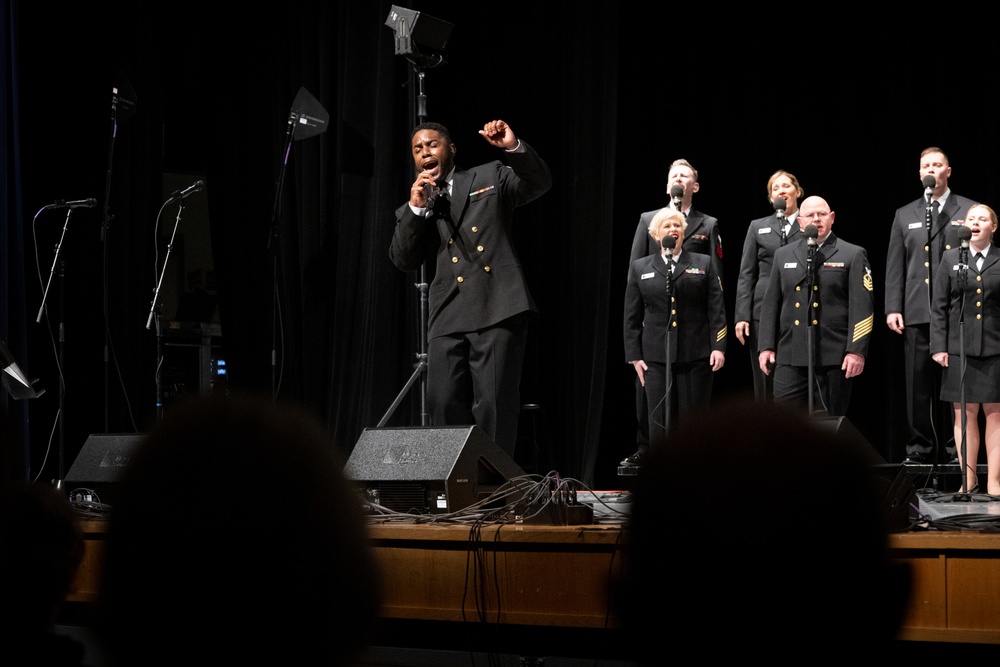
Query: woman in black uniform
(967, 297)
(679, 292)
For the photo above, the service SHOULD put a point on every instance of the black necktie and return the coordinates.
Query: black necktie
(784, 234)
(935, 209)
(442, 205)
(977, 260)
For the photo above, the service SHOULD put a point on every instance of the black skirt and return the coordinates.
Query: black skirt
(981, 380)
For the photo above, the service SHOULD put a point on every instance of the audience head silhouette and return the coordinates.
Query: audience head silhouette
(236, 539)
(759, 526)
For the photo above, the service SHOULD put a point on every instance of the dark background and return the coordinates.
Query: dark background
(609, 95)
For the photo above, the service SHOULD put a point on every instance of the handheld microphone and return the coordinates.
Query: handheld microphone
(812, 233)
(178, 195)
(676, 193)
(431, 193)
(780, 204)
(76, 203)
(668, 242)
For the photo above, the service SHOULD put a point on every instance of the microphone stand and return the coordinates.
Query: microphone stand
(166, 261)
(810, 329)
(963, 279)
(932, 257)
(929, 224)
(153, 311)
(62, 339)
(668, 380)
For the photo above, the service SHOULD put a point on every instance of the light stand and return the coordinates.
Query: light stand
(413, 29)
(306, 119)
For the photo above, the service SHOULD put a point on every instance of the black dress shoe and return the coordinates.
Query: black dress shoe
(634, 460)
(916, 458)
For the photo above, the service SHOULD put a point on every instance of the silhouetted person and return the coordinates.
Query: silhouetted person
(236, 539)
(760, 534)
(41, 548)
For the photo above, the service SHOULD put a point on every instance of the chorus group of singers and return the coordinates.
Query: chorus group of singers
(805, 309)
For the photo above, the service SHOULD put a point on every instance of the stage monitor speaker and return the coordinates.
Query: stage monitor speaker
(900, 505)
(99, 466)
(429, 470)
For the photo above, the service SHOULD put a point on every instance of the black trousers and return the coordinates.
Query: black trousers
(691, 387)
(763, 385)
(929, 419)
(831, 393)
(475, 378)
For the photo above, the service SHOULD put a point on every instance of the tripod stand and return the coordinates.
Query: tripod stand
(403, 22)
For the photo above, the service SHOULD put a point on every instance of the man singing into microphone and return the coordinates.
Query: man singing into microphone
(478, 300)
(701, 235)
(909, 271)
(820, 289)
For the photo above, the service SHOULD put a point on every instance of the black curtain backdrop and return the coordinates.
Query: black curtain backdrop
(608, 94)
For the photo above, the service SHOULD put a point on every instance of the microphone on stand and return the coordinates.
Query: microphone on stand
(964, 234)
(676, 193)
(929, 183)
(76, 203)
(668, 243)
(779, 204)
(178, 195)
(812, 233)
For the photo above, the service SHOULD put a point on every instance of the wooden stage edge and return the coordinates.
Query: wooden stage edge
(558, 577)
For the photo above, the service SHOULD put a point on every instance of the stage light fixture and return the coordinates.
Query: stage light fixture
(419, 36)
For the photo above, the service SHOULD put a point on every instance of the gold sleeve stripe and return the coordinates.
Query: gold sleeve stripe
(722, 333)
(863, 328)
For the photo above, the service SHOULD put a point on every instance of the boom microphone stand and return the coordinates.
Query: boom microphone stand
(56, 262)
(178, 196)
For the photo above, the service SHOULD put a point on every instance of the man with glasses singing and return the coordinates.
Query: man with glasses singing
(820, 295)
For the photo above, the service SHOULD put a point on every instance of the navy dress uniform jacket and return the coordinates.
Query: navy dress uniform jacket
(906, 267)
(698, 326)
(982, 306)
(762, 240)
(701, 236)
(478, 280)
(843, 304)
